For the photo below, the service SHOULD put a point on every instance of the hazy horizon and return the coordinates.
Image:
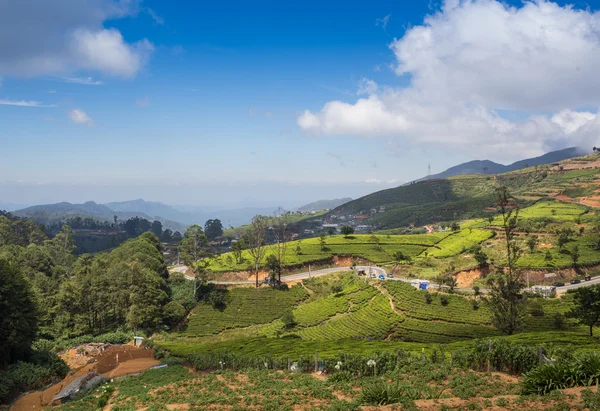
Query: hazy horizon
(243, 105)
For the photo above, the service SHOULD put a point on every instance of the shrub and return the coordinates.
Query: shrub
(336, 289)
(475, 304)
(444, 300)
(428, 298)
(504, 356)
(288, 319)
(536, 308)
(381, 392)
(41, 368)
(341, 376)
(583, 370)
(217, 298)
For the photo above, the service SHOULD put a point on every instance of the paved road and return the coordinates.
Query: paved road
(377, 271)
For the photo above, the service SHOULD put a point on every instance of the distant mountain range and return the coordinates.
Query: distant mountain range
(490, 167)
(50, 213)
(324, 204)
(172, 217)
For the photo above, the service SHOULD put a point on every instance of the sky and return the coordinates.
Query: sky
(271, 103)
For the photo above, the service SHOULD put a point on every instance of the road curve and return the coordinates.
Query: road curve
(374, 270)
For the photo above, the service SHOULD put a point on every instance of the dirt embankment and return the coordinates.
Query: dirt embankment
(465, 279)
(115, 361)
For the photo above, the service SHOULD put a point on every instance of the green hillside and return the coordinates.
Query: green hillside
(469, 196)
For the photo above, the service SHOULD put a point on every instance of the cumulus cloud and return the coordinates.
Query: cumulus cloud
(63, 36)
(471, 63)
(79, 116)
(366, 86)
(23, 103)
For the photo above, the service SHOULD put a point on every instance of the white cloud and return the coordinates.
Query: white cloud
(366, 86)
(82, 80)
(63, 36)
(79, 116)
(23, 103)
(157, 19)
(383, 22)
(142, 102)
(470, 62)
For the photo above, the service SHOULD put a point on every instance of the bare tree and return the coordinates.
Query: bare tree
(280, 224)
(255, 240)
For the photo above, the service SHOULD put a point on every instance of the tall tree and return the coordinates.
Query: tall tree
(193, 252)
(280, 223)
(237, 248)
(213, 229)
(255, 237)
(156, 228)
(506, 299)
(17, 313)
(586, 306)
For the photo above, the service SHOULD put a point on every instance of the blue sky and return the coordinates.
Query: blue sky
(226, 103)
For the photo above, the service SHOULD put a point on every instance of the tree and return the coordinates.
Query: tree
(548, 257)
(480, 256)
(575, 255)
(451, 282)
(213, 229)
(156, 228)
(237, 248)
(507, 302)
(279, 228)
(532, 242)
(167, 236)
(177, 237)
(18, 324)
(322, 242)
(192, 251)
(586, 306)
(564, 236)
(347, 230)
(255, 240)
(454, 226)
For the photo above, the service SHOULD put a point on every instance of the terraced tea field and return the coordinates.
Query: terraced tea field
(244, 307)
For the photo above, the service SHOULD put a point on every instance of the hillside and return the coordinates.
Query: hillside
(50, 213)
(324, 204)
(470, 196)
(490, 167)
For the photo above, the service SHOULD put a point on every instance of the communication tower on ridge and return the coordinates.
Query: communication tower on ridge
(428, 170)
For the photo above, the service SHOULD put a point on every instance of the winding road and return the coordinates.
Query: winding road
(375, 270)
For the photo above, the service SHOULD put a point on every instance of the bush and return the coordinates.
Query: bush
(444, 300)
(288, 319)
(428, 298)
(341, 376)
(217, 298)
(381, 392)
(505, 356)
(536, 308)
(41, 368)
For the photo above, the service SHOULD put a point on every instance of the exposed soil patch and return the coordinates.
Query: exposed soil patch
(465, 279)
(544, 246)
(115, 361)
